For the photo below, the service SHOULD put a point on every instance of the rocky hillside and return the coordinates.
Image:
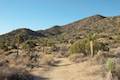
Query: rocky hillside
(96, 23)
(83, 23)
(55, 30)
(26, 34)
(24, 31)
(109, 24)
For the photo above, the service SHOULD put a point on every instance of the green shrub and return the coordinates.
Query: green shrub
(79, 47)
(83, 46)
(28, 45)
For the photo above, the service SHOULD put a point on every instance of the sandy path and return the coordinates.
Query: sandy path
(65, 70)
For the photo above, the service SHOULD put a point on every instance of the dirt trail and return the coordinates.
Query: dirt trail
(65, 70)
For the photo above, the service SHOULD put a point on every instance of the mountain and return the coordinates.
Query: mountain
(83, 22)
(95, 23)
(55, 30)
(108, 25)
(72, 27)
(26, 34)
(79, 28)
(24, 31)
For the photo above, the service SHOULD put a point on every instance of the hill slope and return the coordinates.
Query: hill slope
(83, 22)
(26, 34)
(96, 23)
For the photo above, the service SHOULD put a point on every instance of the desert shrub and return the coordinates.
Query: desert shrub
(101, 57)
(83, 46)
(62, 51)
(12, 46)
(100, 46)
(78, 47)
(47, 60)
(54, 48)
(28, 44)
(3, 46)
(50, 42)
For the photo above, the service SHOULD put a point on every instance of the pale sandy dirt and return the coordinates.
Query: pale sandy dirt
(65, 70)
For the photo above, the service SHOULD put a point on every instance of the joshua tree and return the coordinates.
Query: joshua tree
(44, 44)
(47, 42)
(19, 39)
(29, 45)
(92, 38)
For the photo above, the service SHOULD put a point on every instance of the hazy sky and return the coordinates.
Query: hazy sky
(42, 14)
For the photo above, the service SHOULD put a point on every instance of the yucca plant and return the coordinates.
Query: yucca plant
(110, 65)
(88, 46)
(91, 38)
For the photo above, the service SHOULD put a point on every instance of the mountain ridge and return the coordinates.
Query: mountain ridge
(71, 30)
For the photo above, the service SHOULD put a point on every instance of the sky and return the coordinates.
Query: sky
(43, 14)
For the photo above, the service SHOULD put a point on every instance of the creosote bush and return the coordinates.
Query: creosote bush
(79, 47)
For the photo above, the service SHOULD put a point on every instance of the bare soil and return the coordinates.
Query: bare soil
(66, 70)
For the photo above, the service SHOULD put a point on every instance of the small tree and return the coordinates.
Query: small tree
(45, 43)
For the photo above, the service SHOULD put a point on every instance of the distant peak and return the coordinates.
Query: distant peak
(23, 29)
(98, 15)
(56, 26)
